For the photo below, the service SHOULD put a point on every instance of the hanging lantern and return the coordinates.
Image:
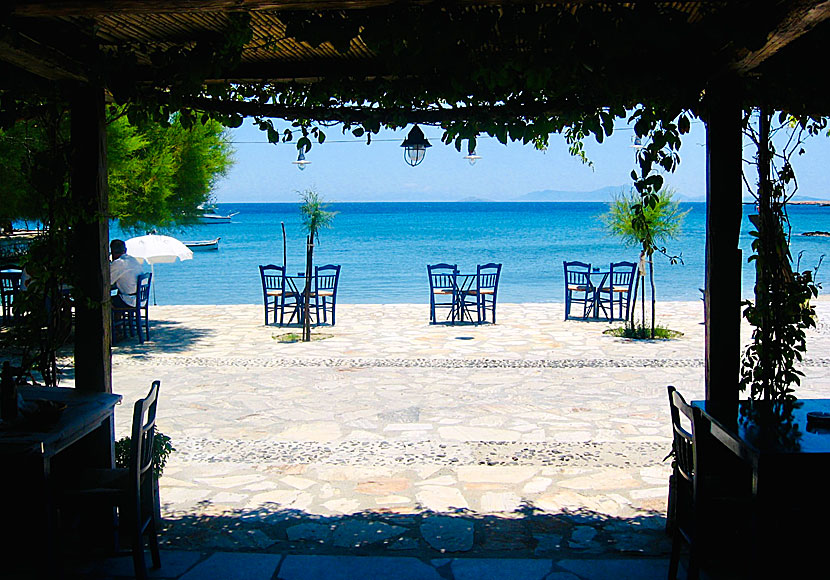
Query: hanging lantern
(415, 146)
(301, 161)
(472, 157)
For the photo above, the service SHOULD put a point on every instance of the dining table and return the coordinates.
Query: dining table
(465, 287)
(295, 287)
(598, 277)
(57, 432)
(787, 471)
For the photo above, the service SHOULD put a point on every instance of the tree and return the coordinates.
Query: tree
(315, 218)
(158, 174)
(646, 225)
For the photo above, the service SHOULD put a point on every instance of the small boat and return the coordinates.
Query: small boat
(203, 245)
(215, 218)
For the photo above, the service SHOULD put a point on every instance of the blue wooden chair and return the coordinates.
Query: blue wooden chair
(578, 289)
(443, 290)
(325, 291)
(487, 287)
(273, 291)
(617, 292)
(136, 319)
(9, 287)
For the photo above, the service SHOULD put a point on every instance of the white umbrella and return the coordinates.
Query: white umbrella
(156, 249)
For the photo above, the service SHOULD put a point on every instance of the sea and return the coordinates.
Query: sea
(384, 248)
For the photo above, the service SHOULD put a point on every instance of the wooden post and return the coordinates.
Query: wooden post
(723, 256)
(90, 241)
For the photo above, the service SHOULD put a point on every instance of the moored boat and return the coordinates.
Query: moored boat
(203, 245)
(215, 218)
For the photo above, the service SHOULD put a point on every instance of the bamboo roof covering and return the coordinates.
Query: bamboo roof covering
(622, 41)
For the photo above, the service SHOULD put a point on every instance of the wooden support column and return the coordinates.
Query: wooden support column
(90, 241)
(723, 256)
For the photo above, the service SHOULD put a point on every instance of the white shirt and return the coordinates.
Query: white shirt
(124, 274)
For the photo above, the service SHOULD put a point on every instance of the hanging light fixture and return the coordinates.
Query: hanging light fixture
(637, 143)
(415, 146)
(472, 157)
(301, 161)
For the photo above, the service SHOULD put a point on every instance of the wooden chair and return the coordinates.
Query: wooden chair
(136, 319)
(681, 510)
(9, 287)
(325, 291)
(578, 289)
(442, 289)
(275, 295)
(617, 291)
(133, 491)
(487, 287)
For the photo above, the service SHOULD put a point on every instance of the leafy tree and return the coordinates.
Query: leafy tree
(315, 218)
(646, 225)
(158, 174)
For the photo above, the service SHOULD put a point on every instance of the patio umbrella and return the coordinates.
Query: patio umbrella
(156, 249)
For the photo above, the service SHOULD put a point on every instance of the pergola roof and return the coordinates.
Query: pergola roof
(584, 52)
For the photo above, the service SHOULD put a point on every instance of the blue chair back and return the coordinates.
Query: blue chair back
(142, 290)
(273, 278)
(326, 278)
(577, 274)
(622, 274)
(488, 277)
(442, 276)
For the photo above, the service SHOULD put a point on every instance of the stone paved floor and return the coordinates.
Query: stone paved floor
(532, 438)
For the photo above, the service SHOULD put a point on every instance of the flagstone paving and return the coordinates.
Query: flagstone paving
(532, 438)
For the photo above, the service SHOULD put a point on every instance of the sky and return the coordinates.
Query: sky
(346, 169)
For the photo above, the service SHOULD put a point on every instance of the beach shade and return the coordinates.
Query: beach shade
(156, 249)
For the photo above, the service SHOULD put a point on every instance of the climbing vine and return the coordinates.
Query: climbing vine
(782, 309)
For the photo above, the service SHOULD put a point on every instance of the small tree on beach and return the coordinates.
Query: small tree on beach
(315, 218)
(648, 226)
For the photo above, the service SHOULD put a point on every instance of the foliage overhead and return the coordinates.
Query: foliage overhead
(158, 174)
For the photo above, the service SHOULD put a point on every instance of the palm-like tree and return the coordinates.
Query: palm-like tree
(653, 227)
(315, 218)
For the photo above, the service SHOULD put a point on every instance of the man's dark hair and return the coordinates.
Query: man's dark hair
(118, 247)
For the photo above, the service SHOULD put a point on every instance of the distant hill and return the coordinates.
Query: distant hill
(603, 194)
(474, 198)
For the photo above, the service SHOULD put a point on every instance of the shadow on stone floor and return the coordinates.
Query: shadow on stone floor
(525, 533)
(165, 337)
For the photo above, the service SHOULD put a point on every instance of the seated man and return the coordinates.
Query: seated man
(124, 272)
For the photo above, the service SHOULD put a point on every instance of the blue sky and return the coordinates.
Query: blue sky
(346, 169)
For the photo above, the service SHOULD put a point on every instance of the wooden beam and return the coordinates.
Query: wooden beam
(90, 241)
(47, 8)
(39, 59)
(801, 17)
(722, 298)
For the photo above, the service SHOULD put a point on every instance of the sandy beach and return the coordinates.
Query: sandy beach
(541, 435)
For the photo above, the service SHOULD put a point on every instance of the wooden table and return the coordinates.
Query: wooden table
(82, 436)
(788, 479)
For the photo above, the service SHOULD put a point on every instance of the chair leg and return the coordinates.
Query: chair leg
(138, 327)
(675, 556)
(139, 565)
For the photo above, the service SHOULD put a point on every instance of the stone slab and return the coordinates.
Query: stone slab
(504, 569)
(355, 568)
(235, 566)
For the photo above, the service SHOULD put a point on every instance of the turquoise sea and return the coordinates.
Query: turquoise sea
(384, 248)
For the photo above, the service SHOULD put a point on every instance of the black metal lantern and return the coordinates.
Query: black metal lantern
(415, 146)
